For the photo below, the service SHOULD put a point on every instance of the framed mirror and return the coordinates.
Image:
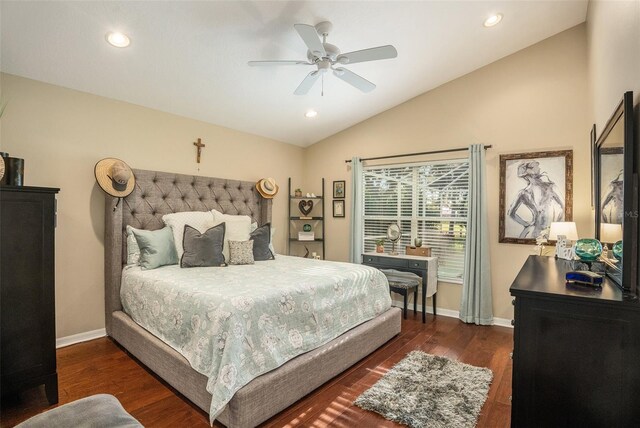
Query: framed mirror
(616, 196)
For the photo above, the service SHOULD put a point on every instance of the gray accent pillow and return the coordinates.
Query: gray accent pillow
(261, 238)
(156, 247)
(241, 252)
(203, 249)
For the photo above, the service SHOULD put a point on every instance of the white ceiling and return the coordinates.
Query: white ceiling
(190, 58)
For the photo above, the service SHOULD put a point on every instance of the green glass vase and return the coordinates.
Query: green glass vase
(617, 250)
(588, 250)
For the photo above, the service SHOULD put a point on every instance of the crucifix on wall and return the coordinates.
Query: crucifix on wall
(199, 146)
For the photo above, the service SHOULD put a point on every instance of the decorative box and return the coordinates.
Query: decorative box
(306, 236)
(418, 251)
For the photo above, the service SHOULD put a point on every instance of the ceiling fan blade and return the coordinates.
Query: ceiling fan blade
(371, 54)
(277, 62)
(354, 80)
(307, 83)
(310, 37)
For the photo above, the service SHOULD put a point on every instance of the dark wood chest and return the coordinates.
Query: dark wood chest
(576, 351)
(27, 289)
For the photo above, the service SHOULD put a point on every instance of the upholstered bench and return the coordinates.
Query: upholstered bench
(404, 283)
(100, 410)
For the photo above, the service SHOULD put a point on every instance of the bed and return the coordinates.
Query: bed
(159, 193)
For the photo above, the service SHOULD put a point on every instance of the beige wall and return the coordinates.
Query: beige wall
(613, 34)
(61, 133)
(535, 99)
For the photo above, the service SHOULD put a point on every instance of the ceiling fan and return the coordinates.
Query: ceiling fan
(325, 56)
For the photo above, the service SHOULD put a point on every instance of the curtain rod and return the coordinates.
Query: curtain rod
(461, 149)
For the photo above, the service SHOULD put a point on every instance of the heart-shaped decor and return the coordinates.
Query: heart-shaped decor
(305, 207)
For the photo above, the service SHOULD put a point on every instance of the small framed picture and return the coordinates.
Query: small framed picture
(338, 207)
(338, 189)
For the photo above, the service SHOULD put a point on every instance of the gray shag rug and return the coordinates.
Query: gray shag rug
(428, 391)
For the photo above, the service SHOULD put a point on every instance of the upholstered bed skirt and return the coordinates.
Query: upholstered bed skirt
(256, 402)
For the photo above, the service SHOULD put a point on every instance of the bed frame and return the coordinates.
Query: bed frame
(160, 193)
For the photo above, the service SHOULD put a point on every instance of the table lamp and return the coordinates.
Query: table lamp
(564, 233)
(610, 233)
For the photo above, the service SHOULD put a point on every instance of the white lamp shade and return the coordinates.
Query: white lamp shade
(563, 228)
(610, 232)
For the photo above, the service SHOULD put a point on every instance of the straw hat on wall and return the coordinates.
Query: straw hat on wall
(267, 187)
(115, 177)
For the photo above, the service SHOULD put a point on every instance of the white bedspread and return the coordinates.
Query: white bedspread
(235, 323)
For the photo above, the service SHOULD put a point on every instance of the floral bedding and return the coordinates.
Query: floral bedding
(235, 323)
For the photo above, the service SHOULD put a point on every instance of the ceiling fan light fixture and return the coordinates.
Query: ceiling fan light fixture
(310, 114)
(118, 40)
(493, 20)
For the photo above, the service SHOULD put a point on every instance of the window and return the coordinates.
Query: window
(428, 200)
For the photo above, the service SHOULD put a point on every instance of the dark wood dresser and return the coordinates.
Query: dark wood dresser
(27, 282)
(576, 360)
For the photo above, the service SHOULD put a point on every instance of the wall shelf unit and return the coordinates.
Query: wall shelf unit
(314, 219)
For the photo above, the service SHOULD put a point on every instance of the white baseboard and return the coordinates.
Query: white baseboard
(502, 322)
(80, 337)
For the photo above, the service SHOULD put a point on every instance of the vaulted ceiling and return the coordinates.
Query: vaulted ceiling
(190, 58)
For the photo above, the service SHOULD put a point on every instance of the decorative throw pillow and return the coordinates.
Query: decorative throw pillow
(240, 252)
(200, 220)
(133, 251)
(238, 228)
(254, 226)
(156, 247)
(261, 238)
(203, 249)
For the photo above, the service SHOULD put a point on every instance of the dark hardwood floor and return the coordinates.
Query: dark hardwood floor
(101, 366)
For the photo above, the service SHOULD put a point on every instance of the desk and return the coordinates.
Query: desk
(414, 264)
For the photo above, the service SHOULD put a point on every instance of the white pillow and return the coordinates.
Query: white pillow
(133, 250)
(237, 228)
(200, 220)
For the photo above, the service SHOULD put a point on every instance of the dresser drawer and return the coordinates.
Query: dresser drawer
(417, 264)
(380, 261)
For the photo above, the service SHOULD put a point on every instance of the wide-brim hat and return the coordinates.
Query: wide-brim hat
(267, 187)
(115, 177)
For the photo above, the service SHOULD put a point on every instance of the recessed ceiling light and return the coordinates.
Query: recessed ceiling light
(118, 40)
(311, 113)
(493, 20)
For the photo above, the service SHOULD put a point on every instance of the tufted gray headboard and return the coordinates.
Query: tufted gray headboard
(159, 193)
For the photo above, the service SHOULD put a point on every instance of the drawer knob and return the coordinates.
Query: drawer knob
(513, 302)
(513, 322)
(511, 355)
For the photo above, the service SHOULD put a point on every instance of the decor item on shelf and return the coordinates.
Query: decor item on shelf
(115, 177)
(394, 234)
(417, 242)
(267, 188)
(324, 57)
(297, 193)
(338, 208)
(564, 233)
(379, 245)
(2, 167)
(306, 252)
(11, 170)
(305, 207)
(588, 249)
(306, 236)
(306, 227)
(535, 190)
(338, 189)
(617, 250)
(610, 233)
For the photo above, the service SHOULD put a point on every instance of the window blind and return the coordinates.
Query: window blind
(428, 200)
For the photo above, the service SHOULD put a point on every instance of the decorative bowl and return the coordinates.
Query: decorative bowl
(588, 250)
(617, 250)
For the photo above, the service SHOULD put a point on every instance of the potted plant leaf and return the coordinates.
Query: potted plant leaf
(297, 193)
(379, 245)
